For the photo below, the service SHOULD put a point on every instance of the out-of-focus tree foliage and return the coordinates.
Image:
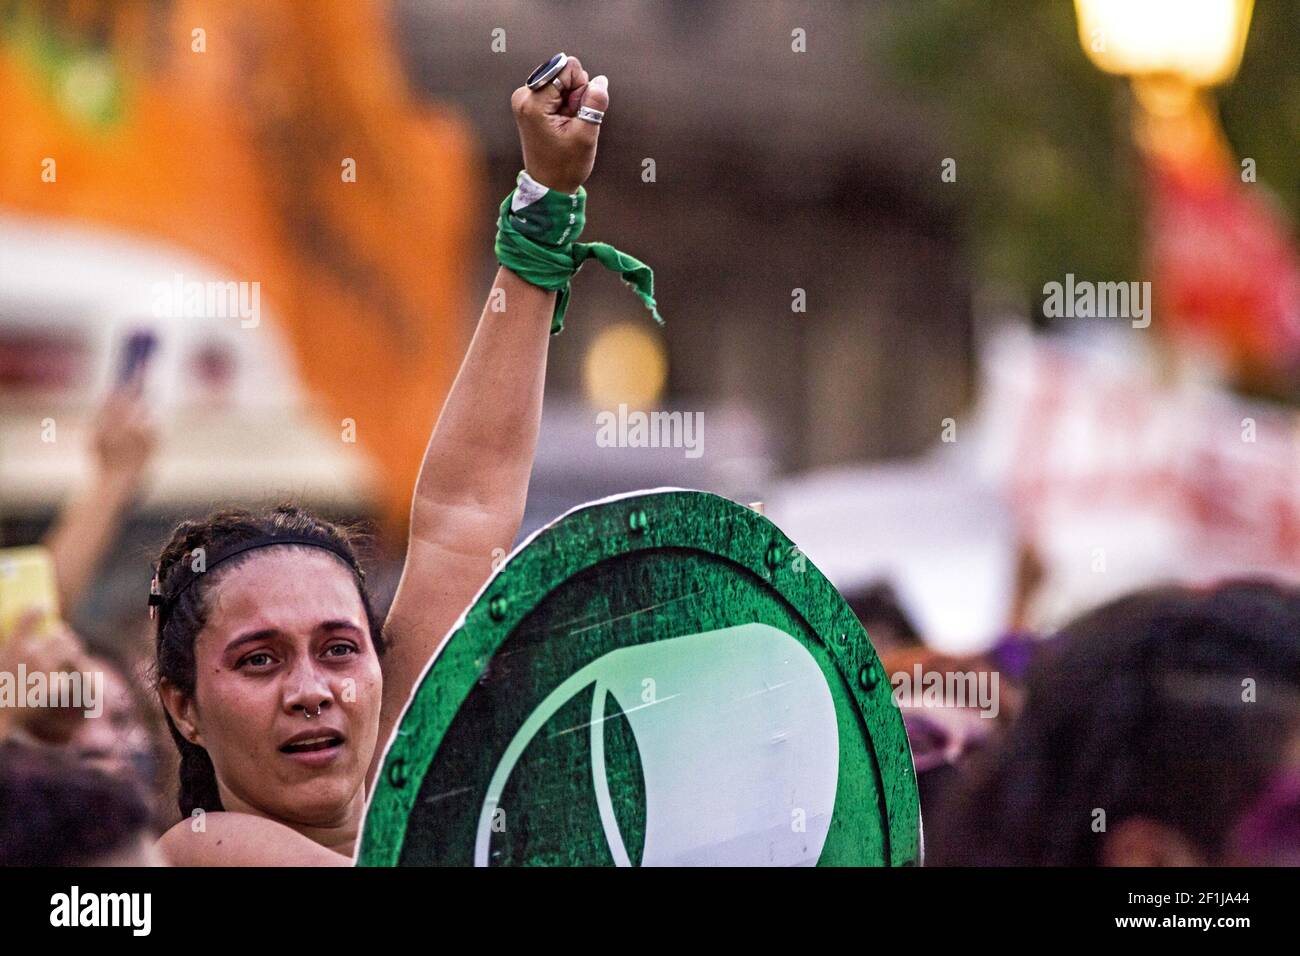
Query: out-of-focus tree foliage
(1261, 107)
(1048, 178)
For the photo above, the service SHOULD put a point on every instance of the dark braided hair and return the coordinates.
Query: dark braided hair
(179, 622)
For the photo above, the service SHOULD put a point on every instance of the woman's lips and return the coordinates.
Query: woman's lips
(315, 751)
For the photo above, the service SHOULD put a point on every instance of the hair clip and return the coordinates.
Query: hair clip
(155, 595)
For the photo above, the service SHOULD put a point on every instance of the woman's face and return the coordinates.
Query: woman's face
(287, 634)
(115, 741)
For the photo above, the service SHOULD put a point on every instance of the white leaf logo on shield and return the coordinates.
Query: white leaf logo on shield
(739, 737)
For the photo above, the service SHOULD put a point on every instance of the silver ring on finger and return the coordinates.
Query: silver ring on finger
(547, 72)
(590, 115)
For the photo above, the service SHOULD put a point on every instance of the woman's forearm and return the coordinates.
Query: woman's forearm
(84, 530)
(474, 478)
(469, 498)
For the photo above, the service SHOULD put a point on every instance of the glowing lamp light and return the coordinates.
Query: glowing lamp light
(1200, 41)
(625, 363)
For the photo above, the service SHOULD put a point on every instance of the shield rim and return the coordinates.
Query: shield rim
(648, 520)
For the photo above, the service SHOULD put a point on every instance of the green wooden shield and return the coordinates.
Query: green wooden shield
(660, 678)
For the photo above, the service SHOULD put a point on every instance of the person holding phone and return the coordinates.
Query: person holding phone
(279, 684)
(123, 441)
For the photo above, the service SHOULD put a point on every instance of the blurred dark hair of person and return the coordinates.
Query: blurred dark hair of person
(1161, 729)
(880, 611)
(56, 811)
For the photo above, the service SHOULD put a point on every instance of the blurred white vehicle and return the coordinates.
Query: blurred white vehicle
(236, 422)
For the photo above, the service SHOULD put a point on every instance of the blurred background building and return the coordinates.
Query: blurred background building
(773, 171)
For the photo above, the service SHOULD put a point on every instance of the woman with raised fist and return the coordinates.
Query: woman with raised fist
(280, 685)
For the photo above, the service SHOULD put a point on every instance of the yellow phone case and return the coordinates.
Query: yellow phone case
(27, 582)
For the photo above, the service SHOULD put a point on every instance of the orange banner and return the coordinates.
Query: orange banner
(280, 140)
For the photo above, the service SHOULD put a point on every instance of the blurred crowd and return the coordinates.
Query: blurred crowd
(75, 788)
(1162, 728)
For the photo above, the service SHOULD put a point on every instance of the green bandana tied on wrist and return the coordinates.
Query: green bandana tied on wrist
(536, 243)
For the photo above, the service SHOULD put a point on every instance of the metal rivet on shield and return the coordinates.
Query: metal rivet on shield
(869, 675)
(497, 607)
(774, 551)
(637, 522)
(397, 773)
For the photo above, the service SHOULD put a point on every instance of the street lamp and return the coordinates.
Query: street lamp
(1224, 268)
(1173, 51)
(1197, 41)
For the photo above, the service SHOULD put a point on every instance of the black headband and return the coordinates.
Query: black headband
(188, 576)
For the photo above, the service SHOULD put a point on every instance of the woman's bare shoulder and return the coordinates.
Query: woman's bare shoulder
(242, 839)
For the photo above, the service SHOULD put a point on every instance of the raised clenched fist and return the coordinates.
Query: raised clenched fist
(559, 149)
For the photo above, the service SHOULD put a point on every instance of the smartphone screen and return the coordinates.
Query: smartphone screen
(139, 346)
(26, 583)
